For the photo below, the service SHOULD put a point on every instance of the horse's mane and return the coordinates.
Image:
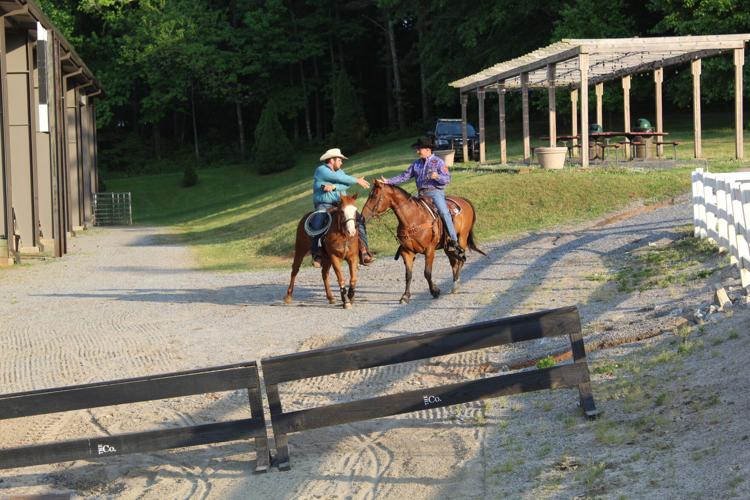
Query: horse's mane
(399, 188)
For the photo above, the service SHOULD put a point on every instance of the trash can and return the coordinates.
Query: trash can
(642, 145)
(447, 155)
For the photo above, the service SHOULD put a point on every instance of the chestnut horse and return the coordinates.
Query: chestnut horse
(420, 231)
(341, 243)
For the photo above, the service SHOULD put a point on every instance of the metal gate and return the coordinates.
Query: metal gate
(112, 209)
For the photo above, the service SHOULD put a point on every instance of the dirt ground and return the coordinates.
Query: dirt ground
(673, 392)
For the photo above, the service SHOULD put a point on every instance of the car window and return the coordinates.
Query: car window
(453, 128)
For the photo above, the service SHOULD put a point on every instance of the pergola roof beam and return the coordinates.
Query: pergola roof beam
(608, 59)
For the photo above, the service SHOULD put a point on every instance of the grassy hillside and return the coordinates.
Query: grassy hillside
(237, 220)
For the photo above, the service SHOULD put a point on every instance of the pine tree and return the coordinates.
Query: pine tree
(349, 125)
(273, 150)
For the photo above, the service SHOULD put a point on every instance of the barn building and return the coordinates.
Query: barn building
(48, 166)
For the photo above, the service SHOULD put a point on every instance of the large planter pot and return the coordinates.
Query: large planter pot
(447, 155)
(551, 157)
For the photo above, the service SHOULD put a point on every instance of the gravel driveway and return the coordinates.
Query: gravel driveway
(121, 305)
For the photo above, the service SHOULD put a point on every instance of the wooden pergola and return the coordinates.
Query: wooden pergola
(577, 63)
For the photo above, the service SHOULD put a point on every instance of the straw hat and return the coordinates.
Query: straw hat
(333, 153)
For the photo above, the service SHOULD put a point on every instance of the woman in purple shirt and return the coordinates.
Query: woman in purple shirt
(432, 176)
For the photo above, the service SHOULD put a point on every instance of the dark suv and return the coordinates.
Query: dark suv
(447, 135)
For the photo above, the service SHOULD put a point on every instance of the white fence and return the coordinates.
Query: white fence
(721, 213)
(112, 209)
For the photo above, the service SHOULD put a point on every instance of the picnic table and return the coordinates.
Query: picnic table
(633, 139)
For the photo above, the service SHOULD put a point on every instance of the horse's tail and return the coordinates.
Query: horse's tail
(471, 240)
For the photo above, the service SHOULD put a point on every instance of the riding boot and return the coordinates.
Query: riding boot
(315, 251)
(365, 257)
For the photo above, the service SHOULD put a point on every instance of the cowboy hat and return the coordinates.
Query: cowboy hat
(333, 153)
(424, 142)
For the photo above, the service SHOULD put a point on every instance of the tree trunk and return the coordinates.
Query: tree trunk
(426, 111)
(303, 80)
(240, 127)
(396, 74)
(390, 106)
(195, 122)
(157, 142)
(319, 121)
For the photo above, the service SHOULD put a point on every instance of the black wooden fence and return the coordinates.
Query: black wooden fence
(564, 321)
(277, 370)
(171, 385)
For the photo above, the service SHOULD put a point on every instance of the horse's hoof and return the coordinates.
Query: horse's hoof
(456, 286)
(331, 301)
(404, 300)
(436, 293)
(288, 299)
(347, 306)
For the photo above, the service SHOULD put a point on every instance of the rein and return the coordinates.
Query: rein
(409, 230)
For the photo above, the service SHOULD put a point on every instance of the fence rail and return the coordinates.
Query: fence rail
(218, 379)
(564, 321)
(112, 209)
(721, 213)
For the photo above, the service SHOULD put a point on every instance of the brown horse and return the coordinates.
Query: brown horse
(420, 231)
(341, 243)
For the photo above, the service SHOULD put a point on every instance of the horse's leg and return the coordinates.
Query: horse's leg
(299, 255)
(324, 269)
(353, 266)
(408, 264)
(336, 262)
(429, 256)
(456, 266)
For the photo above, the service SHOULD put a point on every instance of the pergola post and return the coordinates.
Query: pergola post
(739, 61)
(574, 119)
(695, 66)
(552, 110)
(658, 80)
(464, 134)
(583, 68)
(626, 110)
(525, 117)
(501, 119)
(480, 102)
(599, 89)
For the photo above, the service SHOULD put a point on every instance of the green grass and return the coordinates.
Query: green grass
(237, 220)
(673, 264)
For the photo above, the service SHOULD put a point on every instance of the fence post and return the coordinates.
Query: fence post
(699, 206)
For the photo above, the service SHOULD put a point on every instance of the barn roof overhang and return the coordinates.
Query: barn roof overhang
(608, 59)
(24, 14)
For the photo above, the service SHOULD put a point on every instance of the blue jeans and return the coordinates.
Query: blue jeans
(438, 198)
(317, 222)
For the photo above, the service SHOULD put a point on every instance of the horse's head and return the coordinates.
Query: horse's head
(376, 203)
(349, 212)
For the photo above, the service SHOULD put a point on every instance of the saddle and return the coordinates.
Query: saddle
(453, 207)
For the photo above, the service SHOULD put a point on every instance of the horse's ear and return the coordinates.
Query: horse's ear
(354, 196)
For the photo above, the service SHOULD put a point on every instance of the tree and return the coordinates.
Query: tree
(273, 151)
(349, 125)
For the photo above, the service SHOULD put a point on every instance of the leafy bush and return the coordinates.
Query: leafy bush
(546, 362)
(349, 125)
(189, 176)
(273, 150)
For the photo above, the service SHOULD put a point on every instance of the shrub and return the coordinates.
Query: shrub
(349, 125)
(273, 150)
(189, 176)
